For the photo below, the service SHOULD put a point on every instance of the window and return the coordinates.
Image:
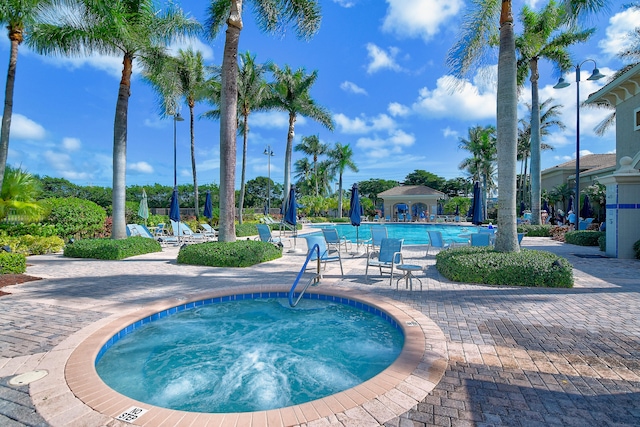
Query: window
(636, 119)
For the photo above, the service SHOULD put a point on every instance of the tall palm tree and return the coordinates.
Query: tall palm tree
(478, 32)
(133, 29)
(544, 36)
(290, 93)
(18, 16)
(341, 157)
(183, 77)
(303, 175)
(481, 143)
(311, 146)
(272, 15)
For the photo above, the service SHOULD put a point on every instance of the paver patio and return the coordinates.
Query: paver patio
(517, 356)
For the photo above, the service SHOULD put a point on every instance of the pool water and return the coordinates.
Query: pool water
(413, 234)
(250, 355)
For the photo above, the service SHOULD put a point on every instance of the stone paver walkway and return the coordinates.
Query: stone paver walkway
(517, 356)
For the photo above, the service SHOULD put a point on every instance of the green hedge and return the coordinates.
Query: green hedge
(73, 217)
(241, 253)
(111, 249)
(33, 245)
(12, 263)
(583, 237)
(524, 268)
(602, 242)
(636, 248)
(543, 230)
(246, 229)
(32, 229)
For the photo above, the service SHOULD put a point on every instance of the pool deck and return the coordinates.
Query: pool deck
(516, 356)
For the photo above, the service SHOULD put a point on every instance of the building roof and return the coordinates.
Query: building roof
(620, 89)
(587, 163)
(411, 190)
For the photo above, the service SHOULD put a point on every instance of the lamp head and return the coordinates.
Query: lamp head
(562, 83)
(178, 118)
(595, 75)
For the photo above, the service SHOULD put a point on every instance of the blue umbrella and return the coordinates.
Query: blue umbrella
(440, 211)
(457, 210)
(586, 211)
(355, 210)
(570, 208)
(545, 206)
(522, 208)
(477, 217)
(208, 206)
(174, 210)
(291, 214)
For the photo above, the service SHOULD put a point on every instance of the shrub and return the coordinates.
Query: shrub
(583, 237)
(602, 242)
(246, 229)
(32, 229)
(73, 217)
(317, 219)
(343, 219)
(111, 249)
(535, 230)
(33, 245)
(242, 253)
(524, 268)
(636, 248)
(12, 263)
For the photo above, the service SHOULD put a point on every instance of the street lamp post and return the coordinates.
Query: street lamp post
(595, 75)
(269, 154)
(176, 118)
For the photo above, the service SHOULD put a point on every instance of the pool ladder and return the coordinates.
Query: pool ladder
(313, 280)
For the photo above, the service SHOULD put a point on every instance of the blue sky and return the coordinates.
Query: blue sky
(381, 74)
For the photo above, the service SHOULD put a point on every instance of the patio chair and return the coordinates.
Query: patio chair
(480, 239)
(143, 231)
(264, 234)
(388, 257)
(520, 237)
(436, 241)
(208, 231)
(334, 240)
(185, 233)
(378, 232)
(325, 252)
(584, 224)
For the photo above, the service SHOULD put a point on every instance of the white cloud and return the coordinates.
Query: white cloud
(345, 3)
(142, 167)
(363, 124)
(381, 59)
(25, 128)
(348, 86)
(156, 122)
(470, 101)
(448, 132)
(620, 25)
(419, 18)
(195, 44)
(112, 65)
(273, 120)
(396, 109)
(71, 144)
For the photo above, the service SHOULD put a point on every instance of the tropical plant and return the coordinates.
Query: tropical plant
(132, 29)
(183, 77)
(311, 146)
(272, 15)
(341, 157)
(303, 174)
(19, 195)
(290, 93)
(18, 16)
(478, 33)
(422, 177)
(545, 35)
(481, 143)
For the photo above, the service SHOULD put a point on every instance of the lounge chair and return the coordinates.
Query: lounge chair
(436, 241)
(480, 239)
(325, 252)
(142, 231)
(264, 234)
(334, 240)
(378, 232)
(185, 234)
(520, 237)
(209, 232)
(388, 257)
(584, 224)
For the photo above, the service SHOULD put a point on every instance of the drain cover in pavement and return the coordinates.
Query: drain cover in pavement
(28, 377)
(589, 256)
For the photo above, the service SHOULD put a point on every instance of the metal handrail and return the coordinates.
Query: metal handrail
(315, 278)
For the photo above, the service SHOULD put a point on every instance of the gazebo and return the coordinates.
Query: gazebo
(413, 199)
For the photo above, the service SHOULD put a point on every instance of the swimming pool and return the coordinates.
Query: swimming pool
(250, 354)
(413, 234)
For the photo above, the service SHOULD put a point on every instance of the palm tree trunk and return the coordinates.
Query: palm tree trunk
(193, 158)
(229, 123)
(8, 102)
(287, 157)
(244, 168)
(535, 145)
(119, 226)
(507, 134)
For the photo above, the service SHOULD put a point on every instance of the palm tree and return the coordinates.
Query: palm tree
(181, 77)
(542, 38)
(18, 16)
(303, 175)
(311, 146)
(481, 143)
(20, 191)
(135, 30)
(272, 15)
(341, 158)
(478, 32)
(290, 93)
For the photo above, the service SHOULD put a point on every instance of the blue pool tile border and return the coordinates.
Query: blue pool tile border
(240, 297)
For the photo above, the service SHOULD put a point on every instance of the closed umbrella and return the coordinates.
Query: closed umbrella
(477, 217)
(586, 211)
(522, 208)
(355, 210)
(143, 210)
(291, 214)
(570, 208)
(208, 206)
(545, 206)
(174, 210)
(457, 210)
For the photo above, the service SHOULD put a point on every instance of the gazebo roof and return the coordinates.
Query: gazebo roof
(411, 190)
